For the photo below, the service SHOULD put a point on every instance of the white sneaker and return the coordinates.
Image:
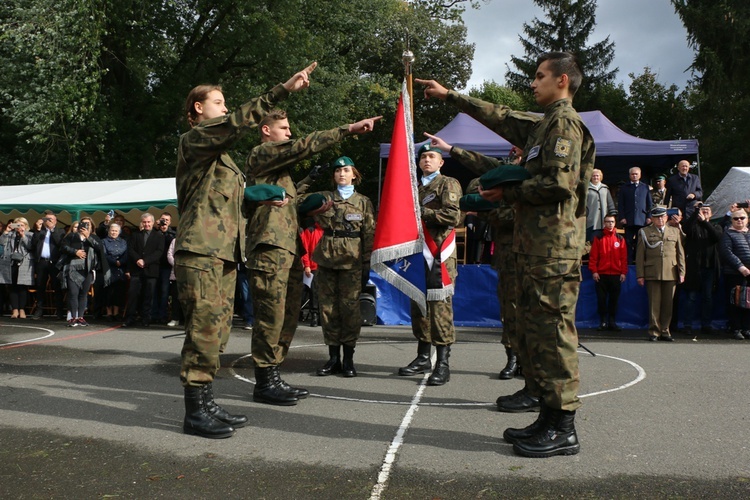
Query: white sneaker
(174, 322)
(247, 327)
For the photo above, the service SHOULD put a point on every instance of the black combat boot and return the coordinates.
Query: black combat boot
(421, 363)
(297, 392)
(512, 435)
(511, 367)
(511, 396)
(613, 325)
(520, 402)
(558, 437)
(442, 373)
(197, 419)
(602, 324)
(266, 390)
(347, 366)
(333, 366)
(220, 413)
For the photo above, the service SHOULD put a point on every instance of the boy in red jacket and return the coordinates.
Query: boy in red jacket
(608, 262)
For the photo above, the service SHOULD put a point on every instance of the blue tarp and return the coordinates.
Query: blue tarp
(475, 302)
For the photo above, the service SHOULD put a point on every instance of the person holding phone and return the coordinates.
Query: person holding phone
(16, 264)
(82, 255)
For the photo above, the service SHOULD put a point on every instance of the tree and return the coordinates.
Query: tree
(719, 31)
(490, 91)
(94, 89)
(658, 112)
(567, 28)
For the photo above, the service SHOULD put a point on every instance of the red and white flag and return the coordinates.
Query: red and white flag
(399, 238)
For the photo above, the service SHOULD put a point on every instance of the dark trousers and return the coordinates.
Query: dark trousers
(704, 294)
(739, 318)
(631, 239)
(608, 287)
(161, 301)
(141, 292)
(78, 296)
(45, 271)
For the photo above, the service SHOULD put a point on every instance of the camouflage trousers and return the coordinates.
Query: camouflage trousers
(275, 277)
(205, 286)
(436, 327)
(506, 294)
(548, 294)
(338, 296)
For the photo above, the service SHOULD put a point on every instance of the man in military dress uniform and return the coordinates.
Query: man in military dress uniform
(548, 241)
(274, 248)
(438, 196)
(659, 266)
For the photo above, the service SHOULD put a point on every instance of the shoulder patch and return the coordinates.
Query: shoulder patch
(562, 147)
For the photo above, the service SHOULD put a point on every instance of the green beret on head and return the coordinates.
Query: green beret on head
(658, 211)
(311, 203)
(343, 161)
(506, 174)
(475, 203)
(426, 147)
(661, 177)
(265, 192)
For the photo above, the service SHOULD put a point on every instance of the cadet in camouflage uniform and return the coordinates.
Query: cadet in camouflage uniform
(503, 258)
(439, 196)
(274, 249)
(210, 241)
(548, 241)
(343, 258)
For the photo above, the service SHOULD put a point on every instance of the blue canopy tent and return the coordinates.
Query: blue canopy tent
(616, 151)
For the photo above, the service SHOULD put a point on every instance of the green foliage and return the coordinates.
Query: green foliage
(567, 27)
(492, 92)
(658, 112)
(719, 31)
(94, 89)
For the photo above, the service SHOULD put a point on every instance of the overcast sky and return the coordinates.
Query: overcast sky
(645, 33)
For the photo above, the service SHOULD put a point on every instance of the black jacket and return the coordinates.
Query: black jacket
(150, 252)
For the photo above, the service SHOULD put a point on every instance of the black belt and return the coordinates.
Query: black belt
(342, 234)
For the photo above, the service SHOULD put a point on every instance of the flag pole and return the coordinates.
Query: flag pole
(408, 58)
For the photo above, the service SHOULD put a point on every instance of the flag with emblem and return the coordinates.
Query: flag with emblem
(399, 240)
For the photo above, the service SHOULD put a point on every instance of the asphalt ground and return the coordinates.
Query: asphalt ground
(97, 413)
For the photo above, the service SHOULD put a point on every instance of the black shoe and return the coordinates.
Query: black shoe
(653, 338)
(333, 366)
(220, 413)
(746, 334)
(197, 419)
(347, 365)
(666, 338)
(522, 404)
(557, 437)
(511, 367)
(129, 323)
(442, 373)
(297, 392)
(421, 363)
(602, 326)
(613, 326)
(267, 392)
(512, 435)
(37, 314)
(512, 396)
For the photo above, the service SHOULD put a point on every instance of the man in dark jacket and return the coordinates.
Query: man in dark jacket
(634, 204)
(45, 245)
(702, 263)
(144, 251)
(683, 189)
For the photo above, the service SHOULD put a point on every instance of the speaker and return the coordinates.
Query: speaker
(367, 305)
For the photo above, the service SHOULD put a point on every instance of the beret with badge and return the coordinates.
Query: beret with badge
(427, 147)
(310, 203)
(343, 161)
(658, 211)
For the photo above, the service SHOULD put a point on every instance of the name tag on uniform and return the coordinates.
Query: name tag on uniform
(428, 198)
(354, 217)
(533, 153)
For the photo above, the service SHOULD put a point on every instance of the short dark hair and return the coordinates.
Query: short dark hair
(564, 63)
(274, 115)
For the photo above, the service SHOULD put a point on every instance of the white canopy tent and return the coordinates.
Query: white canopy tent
(71, 200)
(734, 187)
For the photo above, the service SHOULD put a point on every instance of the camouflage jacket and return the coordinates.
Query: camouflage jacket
(272, 163)
(440, 211)
(353, 215)
(210, 187)
(559, 154)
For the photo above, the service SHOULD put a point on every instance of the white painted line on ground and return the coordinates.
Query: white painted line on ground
(638, 368)
(49, 334)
